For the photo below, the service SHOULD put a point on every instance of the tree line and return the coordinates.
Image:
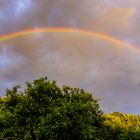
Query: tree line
(46, 111)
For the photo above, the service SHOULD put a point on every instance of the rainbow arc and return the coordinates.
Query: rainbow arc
(119, 43)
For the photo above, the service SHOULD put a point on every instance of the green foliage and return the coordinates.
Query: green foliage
(45, 111)
(118, 126)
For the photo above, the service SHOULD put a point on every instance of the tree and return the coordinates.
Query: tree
(118, 126)
(44, 110)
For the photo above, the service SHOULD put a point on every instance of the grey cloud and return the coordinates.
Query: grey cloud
(87, 62)
(110, 72)
(95, 15)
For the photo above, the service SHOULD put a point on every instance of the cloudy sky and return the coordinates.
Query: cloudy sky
(109, 70)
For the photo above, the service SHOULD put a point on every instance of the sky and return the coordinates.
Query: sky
(107, 68)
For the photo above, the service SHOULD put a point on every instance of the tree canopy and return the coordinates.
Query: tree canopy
(43, 110)
(46, 111)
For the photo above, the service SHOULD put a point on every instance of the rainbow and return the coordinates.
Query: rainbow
(101, 36)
